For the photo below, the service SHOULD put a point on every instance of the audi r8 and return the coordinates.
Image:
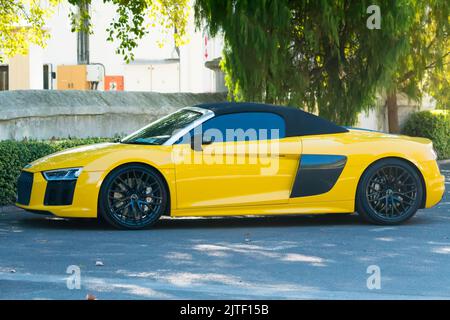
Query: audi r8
(237, 159)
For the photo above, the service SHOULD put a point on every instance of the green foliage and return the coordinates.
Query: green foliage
(14, 155)
(434, 126)
(424, 65)
(318, 55)
(80, 19)
(438, 85)
(256, 59)
(21, 23)
(128, 28)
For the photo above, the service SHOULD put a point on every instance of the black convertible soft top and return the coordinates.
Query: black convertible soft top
(298, 122)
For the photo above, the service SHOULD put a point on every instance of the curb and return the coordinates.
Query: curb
(8, 208)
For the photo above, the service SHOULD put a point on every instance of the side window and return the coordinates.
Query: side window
(246, 126)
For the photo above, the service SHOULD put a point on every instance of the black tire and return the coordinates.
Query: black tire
(390, 192)
(133, 197)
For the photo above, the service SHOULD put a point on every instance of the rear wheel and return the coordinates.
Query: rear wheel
(390, 192)
(133, 197)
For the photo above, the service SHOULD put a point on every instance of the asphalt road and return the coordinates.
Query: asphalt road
(233, 258)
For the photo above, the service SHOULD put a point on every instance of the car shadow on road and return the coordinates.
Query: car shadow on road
(325, 220)
(34, 221)
(318, 220)
(259, 221)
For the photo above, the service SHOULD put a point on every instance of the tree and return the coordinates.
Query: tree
(424, 66)
(130, 24)
(257, 61)
(323, 56)
(438, 85)
(327, 56)
(318, 55)
(21, 24)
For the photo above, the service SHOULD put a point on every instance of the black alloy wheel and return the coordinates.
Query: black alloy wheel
(390, 192)
(133, 197)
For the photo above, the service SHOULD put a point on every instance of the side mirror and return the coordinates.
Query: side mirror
(198, 140)
(207, 140)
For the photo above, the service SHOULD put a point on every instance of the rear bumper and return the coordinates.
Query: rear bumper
(82, 203)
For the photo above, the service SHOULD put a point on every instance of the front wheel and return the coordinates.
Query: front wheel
(133, 197)
(390, 192)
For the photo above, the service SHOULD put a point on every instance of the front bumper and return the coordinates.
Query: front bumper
(435, 191)
(71, 199)
(434, 183)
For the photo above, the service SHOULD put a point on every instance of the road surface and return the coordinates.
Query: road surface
(297, 257)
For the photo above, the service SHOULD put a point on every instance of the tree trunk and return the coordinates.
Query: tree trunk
(391, 103)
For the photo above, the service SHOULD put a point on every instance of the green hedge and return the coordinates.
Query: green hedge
(434, 125)
(14, 155)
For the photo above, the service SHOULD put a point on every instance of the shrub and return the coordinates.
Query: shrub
(434, 125)
(14, 155)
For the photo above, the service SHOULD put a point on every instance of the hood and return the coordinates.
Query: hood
(74, 157)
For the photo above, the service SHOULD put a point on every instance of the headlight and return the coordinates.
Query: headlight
(434, 152)
(62, 174)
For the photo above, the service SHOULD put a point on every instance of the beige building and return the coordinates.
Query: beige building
(155, 68)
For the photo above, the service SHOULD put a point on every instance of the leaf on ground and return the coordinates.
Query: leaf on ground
(90, 297)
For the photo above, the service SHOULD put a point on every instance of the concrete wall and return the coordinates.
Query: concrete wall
(43, 114)
(47, 114)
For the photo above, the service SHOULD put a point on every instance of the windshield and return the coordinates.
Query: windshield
(161, 130)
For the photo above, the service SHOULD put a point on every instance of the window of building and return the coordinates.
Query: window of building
(4, 75)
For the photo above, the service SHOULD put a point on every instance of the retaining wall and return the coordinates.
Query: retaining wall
(42, 114)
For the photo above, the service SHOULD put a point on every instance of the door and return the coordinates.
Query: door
(64, 77)
(236, 159)
(79, 78)
(72, 77)
(4, 85)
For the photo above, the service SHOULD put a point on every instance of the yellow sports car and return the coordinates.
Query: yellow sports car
(237, 159)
